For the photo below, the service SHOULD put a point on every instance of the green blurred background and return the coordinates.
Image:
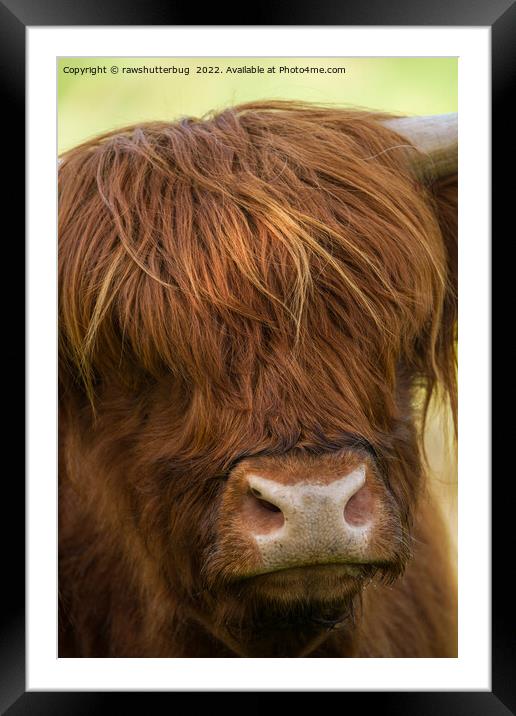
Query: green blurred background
(92, 104)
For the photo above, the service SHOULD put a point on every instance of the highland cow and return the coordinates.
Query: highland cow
(255, 309)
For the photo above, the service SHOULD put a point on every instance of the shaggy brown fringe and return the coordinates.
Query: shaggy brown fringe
(267, 278)
(182, 244)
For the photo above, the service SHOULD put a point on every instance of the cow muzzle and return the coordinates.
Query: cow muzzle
(308, 523)
(325, 513)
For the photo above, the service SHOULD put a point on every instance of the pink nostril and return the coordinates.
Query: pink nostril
(359, 508)
(264, 503)
(261, 516)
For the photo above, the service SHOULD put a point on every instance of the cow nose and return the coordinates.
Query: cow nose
(307, 523)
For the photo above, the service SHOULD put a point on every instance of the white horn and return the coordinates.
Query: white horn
(435, 137)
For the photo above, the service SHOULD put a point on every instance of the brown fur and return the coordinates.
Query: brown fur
(267, 281)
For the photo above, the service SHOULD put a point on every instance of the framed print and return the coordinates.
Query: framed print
(268, 577)
(244, 285)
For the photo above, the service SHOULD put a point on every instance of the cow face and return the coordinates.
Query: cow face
(249, 306)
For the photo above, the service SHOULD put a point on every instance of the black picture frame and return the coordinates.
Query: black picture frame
(500, 16)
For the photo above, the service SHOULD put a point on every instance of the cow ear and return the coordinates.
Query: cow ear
(436, 349)
(431, 145)
(443, 194)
